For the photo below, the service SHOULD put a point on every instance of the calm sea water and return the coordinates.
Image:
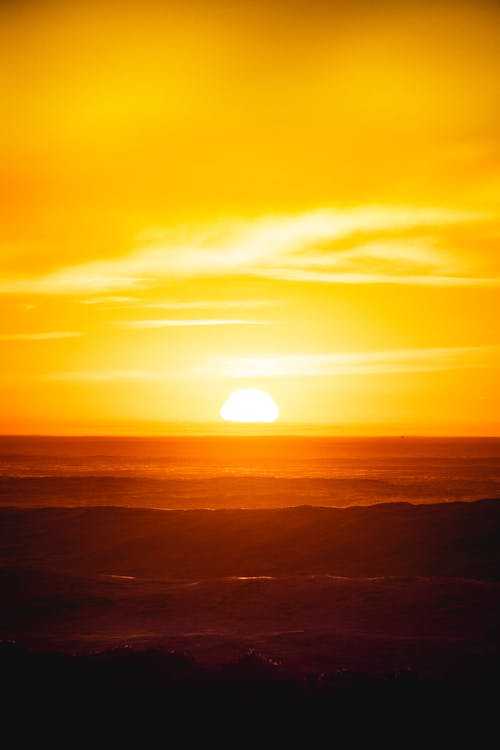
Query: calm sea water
(254, 471)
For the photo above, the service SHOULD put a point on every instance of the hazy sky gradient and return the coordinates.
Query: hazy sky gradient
(295, 196)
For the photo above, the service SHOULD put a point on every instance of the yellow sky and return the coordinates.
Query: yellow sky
(296, 196)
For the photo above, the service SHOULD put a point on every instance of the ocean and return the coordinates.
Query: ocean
(179, 581)
(245, 472)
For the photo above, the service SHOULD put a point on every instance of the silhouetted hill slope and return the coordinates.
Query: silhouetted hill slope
(452, 539)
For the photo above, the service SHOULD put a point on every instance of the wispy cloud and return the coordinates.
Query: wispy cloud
(111, 302)
(375, 245)
(99, 376)
(43, 336)
(353, 363)
(188, 323)
(108, 300)
(226, 304)
(333, 277)
(356, 363)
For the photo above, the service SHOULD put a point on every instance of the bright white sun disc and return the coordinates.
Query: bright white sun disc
(250, 405)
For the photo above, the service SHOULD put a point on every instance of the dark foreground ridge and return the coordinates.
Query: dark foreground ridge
(450, 539)
(168, 699)
(304, 626)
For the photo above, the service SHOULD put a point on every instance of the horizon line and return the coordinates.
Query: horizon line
(257, 433)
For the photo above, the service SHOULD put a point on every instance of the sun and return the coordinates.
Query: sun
(250, 405)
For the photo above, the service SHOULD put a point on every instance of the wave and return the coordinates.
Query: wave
(238, 492)
(455, 539)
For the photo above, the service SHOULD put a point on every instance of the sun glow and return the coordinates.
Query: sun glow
(250, 405)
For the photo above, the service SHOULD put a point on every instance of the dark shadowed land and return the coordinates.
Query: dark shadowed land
(363, 622)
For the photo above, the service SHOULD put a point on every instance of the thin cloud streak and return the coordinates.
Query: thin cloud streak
(357, 363)
(43, 336)
(130, 303)
(109, 300)
(286, 247)
(325, 277)
(394, 361)
(99, 376)
(145, 324)
(210, 304)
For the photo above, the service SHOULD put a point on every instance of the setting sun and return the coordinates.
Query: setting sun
(250, 405)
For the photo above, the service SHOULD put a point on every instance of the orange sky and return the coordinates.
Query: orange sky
(296, 196)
